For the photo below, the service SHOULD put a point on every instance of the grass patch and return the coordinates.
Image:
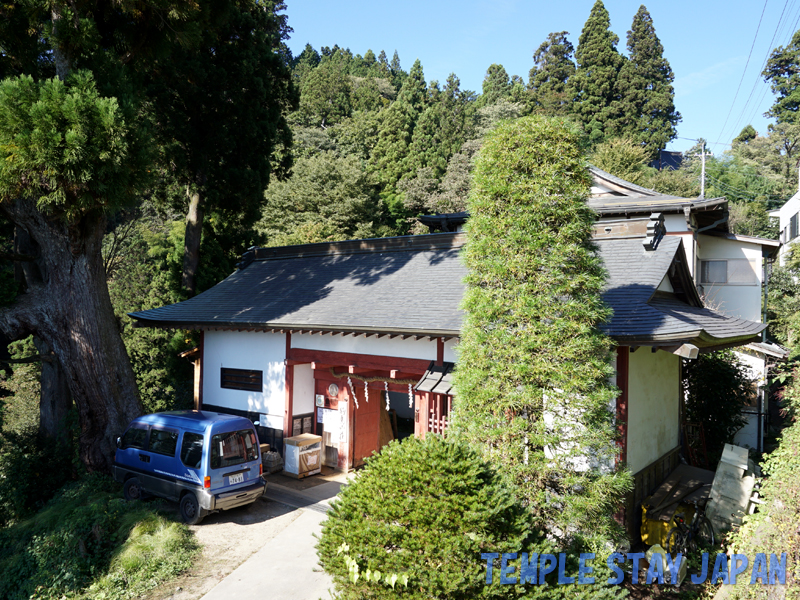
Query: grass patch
(88, 542)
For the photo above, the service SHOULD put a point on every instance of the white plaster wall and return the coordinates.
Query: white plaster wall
(246, 350)
(786, 212)
(675, 223)
(742, 301)
(303, 390)
(451, 351)
(653, 406)
(408, 348)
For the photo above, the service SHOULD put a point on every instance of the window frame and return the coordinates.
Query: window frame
(235, 379)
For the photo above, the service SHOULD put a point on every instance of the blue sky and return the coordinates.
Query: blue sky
(706, 42)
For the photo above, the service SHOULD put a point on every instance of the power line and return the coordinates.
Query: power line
(764, 64)
(736, 95)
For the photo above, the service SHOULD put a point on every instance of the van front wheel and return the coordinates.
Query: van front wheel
(190, 510)
(132, 490)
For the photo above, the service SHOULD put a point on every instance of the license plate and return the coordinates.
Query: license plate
(238, 478)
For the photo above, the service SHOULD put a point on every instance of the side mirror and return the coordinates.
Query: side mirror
(119, 442)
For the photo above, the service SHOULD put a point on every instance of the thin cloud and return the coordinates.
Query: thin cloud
(708, 77)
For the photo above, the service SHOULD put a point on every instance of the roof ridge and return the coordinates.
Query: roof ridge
(429, 241)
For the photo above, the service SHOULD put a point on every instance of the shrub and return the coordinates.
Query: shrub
(88, 540)
(717, 389)
(425, 510)
(774, 528)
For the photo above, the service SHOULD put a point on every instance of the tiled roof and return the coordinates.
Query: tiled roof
(414, 285)
(406, 285)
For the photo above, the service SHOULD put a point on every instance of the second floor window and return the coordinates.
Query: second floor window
(731, 271)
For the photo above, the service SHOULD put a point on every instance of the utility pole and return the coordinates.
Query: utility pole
(703, 169)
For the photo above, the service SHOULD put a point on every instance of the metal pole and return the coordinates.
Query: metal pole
(703, 172)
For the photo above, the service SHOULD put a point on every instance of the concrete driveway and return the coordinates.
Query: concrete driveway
(285, 568)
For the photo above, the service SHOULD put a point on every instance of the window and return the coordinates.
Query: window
(241, 379)
(793, 233)
(732, 271)
(192, 450)
(135, 437)
(235, 448)
(714, 271)
(163, 441)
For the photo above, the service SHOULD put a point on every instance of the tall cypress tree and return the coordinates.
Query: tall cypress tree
(497, 86)
(594, 87)
(533, 372)
(389, 158)
(648, 114)
(443, 128)
(552, 69)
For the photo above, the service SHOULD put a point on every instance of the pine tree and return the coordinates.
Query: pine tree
(783, 74)
(497, 86)
(647, 114)
(593, 87)
(532, 381)
(389, 158)
(441, 130)
(552, 69)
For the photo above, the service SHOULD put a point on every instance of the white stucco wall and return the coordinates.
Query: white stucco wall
(246, 350)
(786, 212)
(302, 390)
(675, 223)
(734, 300)
(653, 406)
(408, 348)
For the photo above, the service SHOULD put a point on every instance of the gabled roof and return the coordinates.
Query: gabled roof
(644, 315)
(413, 286)
(613, 195)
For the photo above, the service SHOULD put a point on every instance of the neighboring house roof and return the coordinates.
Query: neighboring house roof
(626, 198)
(613, 196)
(770, 349)
(414, 285)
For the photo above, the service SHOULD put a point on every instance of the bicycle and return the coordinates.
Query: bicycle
(687, 538)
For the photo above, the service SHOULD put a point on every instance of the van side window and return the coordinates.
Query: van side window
(192, 450)
(163, 441)
(135, 437)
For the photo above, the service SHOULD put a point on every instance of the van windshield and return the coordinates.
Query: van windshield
(235, 448)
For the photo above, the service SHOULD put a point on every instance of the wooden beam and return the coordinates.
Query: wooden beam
(623, 356)
(439, 351)
(363, 361)
(288, 386)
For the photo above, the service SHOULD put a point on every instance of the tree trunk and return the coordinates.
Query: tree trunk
(69, 309)
(55, 398)
(191, 246)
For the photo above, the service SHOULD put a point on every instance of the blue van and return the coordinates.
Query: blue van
(206, 461)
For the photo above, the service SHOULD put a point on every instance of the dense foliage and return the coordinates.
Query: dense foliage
(533, 383)
(717, 389)
(90, 543)
(773, 529)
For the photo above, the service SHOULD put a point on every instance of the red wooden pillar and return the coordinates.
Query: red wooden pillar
(623, 357)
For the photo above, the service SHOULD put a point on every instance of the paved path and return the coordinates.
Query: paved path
(286, 566)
